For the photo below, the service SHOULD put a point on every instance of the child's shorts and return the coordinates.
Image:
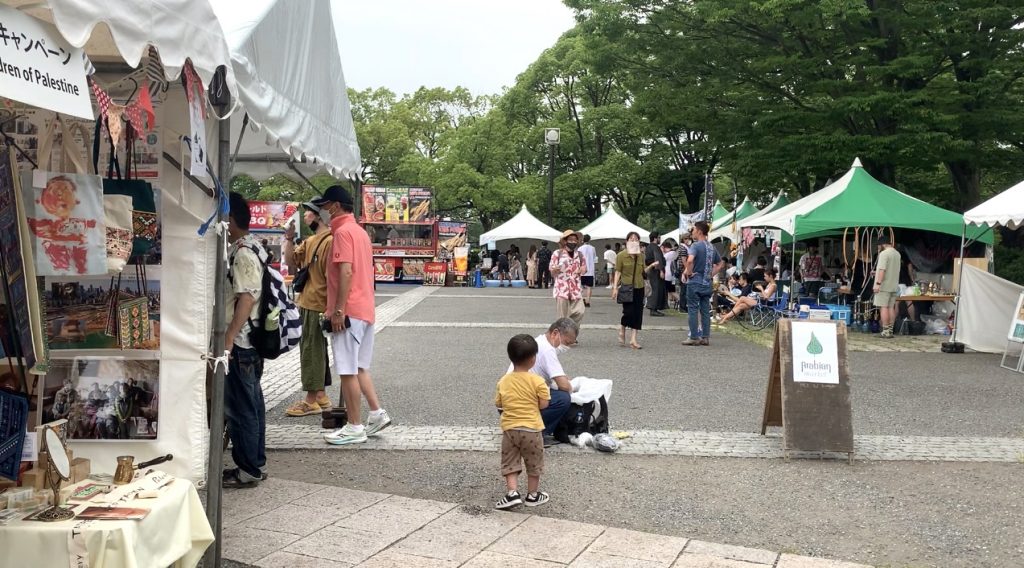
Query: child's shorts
(520, 446)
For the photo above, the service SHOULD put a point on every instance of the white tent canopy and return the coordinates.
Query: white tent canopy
(612, 226)
(1005, 209)
(179, 29)
(524, 226)
(290, 83)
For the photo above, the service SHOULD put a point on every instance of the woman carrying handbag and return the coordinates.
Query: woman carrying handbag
(628, 289)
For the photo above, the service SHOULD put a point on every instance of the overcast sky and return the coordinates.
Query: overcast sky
(479, 44)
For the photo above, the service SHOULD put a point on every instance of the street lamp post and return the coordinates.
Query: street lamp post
(551, 137)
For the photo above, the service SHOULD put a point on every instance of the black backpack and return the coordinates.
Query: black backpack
(543, 257)
(285, 324)
(591, 417)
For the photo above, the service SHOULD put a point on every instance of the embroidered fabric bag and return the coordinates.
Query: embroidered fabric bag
(118, 216)
(145, 224)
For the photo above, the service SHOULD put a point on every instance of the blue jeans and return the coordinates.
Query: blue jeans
(246, 413)
(557, 407)
(698, 304)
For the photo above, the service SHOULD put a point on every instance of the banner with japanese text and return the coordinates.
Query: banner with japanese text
(38, 67)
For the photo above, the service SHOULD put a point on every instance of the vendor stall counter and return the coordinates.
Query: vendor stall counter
(174, 531)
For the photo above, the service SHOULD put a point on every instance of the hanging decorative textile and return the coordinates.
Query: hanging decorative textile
(145, 105)
(155, 73)
(194, 90)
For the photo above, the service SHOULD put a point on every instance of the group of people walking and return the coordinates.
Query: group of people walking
(640, 277)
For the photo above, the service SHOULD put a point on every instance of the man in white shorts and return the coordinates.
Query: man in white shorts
(351, 310)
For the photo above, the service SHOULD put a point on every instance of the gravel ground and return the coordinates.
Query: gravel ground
(904, 514)
(436, 376)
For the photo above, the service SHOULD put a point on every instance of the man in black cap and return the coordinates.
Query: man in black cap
(313, 257)
(887, 283)
(654, 258)
(350, 307)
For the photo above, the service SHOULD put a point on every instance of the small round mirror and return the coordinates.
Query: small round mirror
(58, 453)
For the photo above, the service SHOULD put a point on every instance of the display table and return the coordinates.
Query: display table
(174, 533)
(927, 298)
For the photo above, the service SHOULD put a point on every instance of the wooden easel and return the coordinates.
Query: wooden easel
(814, 417)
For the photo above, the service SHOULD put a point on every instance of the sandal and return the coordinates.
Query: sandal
(636, 346)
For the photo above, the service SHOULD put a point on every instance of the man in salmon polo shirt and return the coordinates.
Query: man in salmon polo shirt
(350, 308)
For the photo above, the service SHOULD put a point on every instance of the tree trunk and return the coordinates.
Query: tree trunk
(967, 181)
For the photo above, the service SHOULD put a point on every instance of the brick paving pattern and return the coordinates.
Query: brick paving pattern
(670, 443)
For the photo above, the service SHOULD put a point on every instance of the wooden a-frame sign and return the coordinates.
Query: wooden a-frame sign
(814, 417)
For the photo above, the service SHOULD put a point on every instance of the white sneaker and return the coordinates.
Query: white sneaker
(376, 424)
(346, 435)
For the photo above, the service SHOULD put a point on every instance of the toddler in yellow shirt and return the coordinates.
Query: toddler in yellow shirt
(521, 396)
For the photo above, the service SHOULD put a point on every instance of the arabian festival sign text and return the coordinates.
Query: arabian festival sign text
(815, 353)
(40, 68)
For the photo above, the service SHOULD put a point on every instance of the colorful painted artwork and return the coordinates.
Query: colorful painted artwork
(65, 215)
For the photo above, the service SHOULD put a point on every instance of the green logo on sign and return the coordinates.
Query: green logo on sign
(814, 347)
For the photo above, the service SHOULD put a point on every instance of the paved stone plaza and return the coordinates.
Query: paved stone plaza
(275, 526)
(438, 354)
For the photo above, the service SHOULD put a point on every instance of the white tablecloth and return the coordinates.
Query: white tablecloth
(174, 533)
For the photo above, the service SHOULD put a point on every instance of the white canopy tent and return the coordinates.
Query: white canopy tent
(986, 302)
(178, 29)
(523, 227)
(1005, 209)
(291, 85)
(611, 226)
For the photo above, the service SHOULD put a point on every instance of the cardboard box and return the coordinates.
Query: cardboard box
(34, 478)
(80, 470)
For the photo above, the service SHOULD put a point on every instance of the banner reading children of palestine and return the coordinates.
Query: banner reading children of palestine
(38, 67)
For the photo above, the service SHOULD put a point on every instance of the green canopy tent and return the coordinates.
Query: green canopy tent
(718, 211)
(859, 200)
(723, 227)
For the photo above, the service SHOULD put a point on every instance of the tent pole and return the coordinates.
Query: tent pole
(216, 463)
(792, 273)
(959, 279)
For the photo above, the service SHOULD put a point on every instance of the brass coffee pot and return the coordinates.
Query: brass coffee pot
(125, 471)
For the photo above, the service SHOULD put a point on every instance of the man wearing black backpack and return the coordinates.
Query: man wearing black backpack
(543, 266)
(243, 396)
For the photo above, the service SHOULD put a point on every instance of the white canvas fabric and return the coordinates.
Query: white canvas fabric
(611, 226)
(290, 81)
(1005, 209)
(986, 309)
(524, 226)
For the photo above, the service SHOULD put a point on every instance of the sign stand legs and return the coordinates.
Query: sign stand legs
(1019, 366)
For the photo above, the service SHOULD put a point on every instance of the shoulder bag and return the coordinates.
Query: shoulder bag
(302, 274)
(625, 293)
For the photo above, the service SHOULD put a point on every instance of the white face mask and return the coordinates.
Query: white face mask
(633, 247)
(562, 349)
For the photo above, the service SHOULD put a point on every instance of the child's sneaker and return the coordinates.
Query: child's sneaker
(536, 499)
(508, 501)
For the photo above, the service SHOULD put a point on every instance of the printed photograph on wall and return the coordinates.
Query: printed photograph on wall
(104, 398)
(120, 312)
